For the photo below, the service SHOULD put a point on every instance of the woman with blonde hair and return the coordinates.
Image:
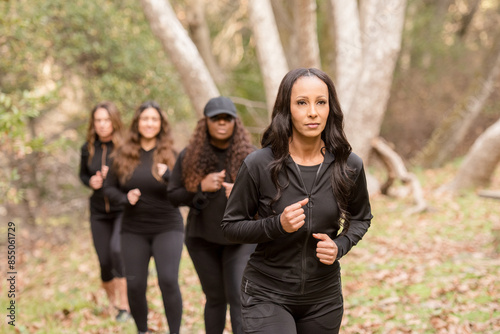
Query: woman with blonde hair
(104, 134)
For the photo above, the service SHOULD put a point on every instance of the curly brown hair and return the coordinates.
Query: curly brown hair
(201, 158)
(128, 155)
(114, 115)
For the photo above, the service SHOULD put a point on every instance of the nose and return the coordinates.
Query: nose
(312, 112)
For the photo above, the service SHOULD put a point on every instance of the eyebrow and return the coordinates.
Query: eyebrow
(303, 96)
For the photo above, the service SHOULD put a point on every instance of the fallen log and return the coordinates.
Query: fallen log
(396, 170)
(489, 193)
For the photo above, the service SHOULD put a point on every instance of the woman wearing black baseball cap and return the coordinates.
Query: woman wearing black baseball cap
(202, 179)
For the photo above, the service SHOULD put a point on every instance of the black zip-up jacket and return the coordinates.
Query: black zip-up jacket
(285, 264)
(206, 208)
(99, 204)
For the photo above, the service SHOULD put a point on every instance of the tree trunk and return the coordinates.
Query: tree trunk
(480, 162)
(455, 127)
(467, 18)
(272, 61)
(193, 73)
(200, 34)
(381, 38)
(283, 14)
(306, 32)
(349, 59)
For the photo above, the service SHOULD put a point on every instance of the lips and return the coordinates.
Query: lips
(312, 125)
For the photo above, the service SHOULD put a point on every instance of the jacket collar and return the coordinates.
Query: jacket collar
(329, 158)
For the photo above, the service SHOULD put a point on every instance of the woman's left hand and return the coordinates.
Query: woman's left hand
(162, 168)
(326, 249)
(228, 186)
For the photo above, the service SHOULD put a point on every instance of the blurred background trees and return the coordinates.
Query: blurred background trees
(421, 74)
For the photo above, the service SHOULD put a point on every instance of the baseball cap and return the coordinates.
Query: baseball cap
(219, 105)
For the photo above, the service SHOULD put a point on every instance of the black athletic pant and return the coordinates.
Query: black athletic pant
(166, 249)
(220, 270)
(106, 235)
(263, 316)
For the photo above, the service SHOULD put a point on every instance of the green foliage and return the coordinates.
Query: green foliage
(44, 45)
(106, 43)
(16, 141)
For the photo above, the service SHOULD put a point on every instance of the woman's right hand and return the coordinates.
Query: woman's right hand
(96, 181)
(293, 216)
(133, 196)
(213, 181)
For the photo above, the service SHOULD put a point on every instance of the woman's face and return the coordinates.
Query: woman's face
(149, 123)
(220, 128)
(103, 125)
(309, 107)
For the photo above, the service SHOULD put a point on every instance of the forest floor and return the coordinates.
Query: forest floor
(432, 272)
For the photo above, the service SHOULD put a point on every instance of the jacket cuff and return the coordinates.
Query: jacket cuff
(343, 245)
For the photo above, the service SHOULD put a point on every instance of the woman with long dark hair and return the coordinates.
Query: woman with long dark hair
(303, 198)
(104, 133)
(152, 226)
(202, 179)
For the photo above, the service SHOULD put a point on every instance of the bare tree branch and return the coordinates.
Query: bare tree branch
(194, 75)
(397, 170)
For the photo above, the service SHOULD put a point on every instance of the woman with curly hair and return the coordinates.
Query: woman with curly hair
(104, 133)
(303, 198)
(202, 179)
(152, 226)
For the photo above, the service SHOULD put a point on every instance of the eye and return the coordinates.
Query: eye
(322, 102)
(301, 102)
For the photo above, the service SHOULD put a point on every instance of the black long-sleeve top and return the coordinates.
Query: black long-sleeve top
(153, 213)
(206, 208)
(99, 203)
(286, 263)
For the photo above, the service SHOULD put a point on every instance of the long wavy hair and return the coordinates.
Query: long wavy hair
(279, 132)
(128, 155)
(200, 158)
(116, 121)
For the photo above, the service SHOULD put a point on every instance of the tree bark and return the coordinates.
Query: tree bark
(349, 59)
(381, 38)
(306, 32)
(194, 75)
(283, 14)
(200, 34)
(272, 61)
(480, 162)
(467, 18)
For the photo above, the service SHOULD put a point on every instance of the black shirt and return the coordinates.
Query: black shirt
(308, 174)
(153, 213)
(99, 204)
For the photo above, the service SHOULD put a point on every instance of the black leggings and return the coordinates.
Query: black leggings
(263, 316)
(106, 236)
(166, 249)
(220, 270)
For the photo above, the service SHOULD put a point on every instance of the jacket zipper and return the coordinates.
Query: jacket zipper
(308, 226)
(103, 163)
